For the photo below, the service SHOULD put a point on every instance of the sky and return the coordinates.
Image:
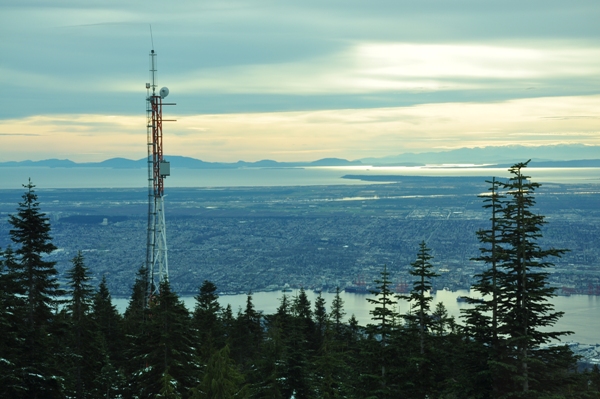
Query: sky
(297, 81)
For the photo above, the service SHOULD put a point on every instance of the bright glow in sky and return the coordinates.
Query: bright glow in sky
(292, 81)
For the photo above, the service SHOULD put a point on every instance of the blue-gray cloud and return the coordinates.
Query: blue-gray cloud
(69, 56)
(254, 56)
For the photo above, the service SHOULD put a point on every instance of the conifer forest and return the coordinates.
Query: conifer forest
(69, 341)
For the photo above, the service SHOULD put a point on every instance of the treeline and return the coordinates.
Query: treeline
(79, 346)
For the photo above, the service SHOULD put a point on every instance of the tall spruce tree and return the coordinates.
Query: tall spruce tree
(38, 283)
(206, 321)
(320, 320)
(384, 316)
(247, 335)
(135, 317)
(337, 313)
(221, 379)
(109, 324)
(300, 348)
(524, 308)
(419, 323)
(272, 364)
(167, 346)
(11, 309)
(86, 351)
(481, 320)
(419, 295)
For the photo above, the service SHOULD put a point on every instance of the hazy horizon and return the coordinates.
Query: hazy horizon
(461, 156)
(297, 81)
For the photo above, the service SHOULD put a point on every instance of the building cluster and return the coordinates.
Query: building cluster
(258, 239)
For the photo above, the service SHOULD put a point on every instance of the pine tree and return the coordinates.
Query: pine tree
(331, 367)
(482, 319)
(136, 312)
(419, 295)
(206, 321)
(167, 346)
(221, 380)
(109, 323)
(270, 367)
(167, 390)
(228, 322)
(524, 310)
(419, 323)
(83, 344)
(40, 289)
(337, 313)
(11, 307)
(302, 312)
(384, 315)
(270, 379)
(320, 321)
(247, 336)
(298, 330)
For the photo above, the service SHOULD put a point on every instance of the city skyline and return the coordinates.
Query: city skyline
(297, 82)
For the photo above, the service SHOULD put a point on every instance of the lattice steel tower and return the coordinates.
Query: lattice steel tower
(158, 168)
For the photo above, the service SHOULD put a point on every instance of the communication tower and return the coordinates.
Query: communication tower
(158, 168)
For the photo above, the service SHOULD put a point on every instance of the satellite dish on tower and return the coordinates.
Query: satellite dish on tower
(164, 92)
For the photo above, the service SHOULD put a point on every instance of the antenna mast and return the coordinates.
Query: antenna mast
(158, 168)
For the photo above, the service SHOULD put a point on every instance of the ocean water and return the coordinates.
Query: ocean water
(582, 312)
(15, 177)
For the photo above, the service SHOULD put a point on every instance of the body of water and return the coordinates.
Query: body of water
(14, 177)
(582, 312)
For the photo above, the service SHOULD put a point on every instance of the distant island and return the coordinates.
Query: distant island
(567, 156)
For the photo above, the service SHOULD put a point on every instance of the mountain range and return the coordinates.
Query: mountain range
(575, 155)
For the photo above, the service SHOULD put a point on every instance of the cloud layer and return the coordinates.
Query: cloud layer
(267, 79)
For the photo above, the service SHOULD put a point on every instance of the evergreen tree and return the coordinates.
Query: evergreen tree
(270, 380)
(167, 347)
(320, 320)
(247, 336)
(298, 373)
(109, 324)
(419, 323)
(221, 380)
(441, 322)
(302, 313)
(136, 329)
(84, 348)
(419, 295)
(270, 367)
(299, 348)
(11, 308)
(228, 322)
(524, 310)
(39, 286)
(337, 313)
(331, 367)
(481, 320)
(168, 390)
(136, 312)
(384, 315)
(206, 320)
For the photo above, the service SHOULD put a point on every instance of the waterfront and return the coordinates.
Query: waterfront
(582, 312)
(51, 178)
